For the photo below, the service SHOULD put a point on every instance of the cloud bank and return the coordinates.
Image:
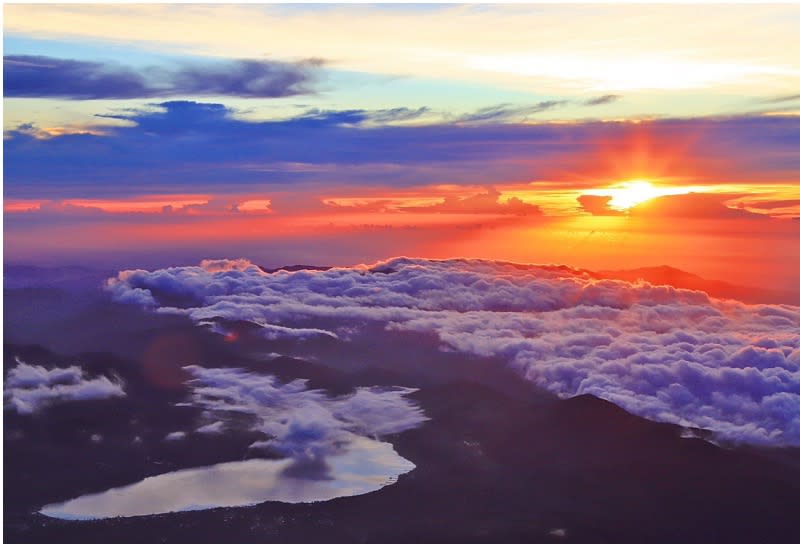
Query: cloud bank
(41, 76)
(487, 203)
(29, 388)
(663, 353)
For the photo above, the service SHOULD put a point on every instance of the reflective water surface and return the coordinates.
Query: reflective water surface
(366, 465)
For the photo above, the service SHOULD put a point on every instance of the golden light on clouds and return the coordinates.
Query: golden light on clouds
(633, 192)
(630, 193)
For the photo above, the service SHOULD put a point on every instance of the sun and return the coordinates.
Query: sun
(632, 192)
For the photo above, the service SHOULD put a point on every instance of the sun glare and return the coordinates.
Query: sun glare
(632, 192)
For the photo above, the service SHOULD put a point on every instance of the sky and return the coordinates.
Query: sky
(599, 136)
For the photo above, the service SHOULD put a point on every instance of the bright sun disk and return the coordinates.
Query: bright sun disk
(632, 192)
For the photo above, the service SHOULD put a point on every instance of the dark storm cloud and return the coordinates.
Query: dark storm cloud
(40, 76)
(603, 99)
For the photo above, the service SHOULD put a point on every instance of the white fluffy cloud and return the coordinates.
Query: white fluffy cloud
(28, 388)
(301, 423)
(663, 353)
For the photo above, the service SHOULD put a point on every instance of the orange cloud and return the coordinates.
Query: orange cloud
(191, 204)
(141, 204)
(489, 202)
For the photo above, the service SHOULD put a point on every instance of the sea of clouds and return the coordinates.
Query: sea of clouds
(666, 354)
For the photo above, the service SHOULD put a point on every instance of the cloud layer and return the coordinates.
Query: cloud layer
(487, 203)
(29, 388)
(41, 76)
(189, 145)
(663, 353)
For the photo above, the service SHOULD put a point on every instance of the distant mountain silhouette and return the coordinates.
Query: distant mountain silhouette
(667, 275)
(294, 268)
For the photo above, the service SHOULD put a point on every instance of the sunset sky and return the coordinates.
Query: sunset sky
(603, 137)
